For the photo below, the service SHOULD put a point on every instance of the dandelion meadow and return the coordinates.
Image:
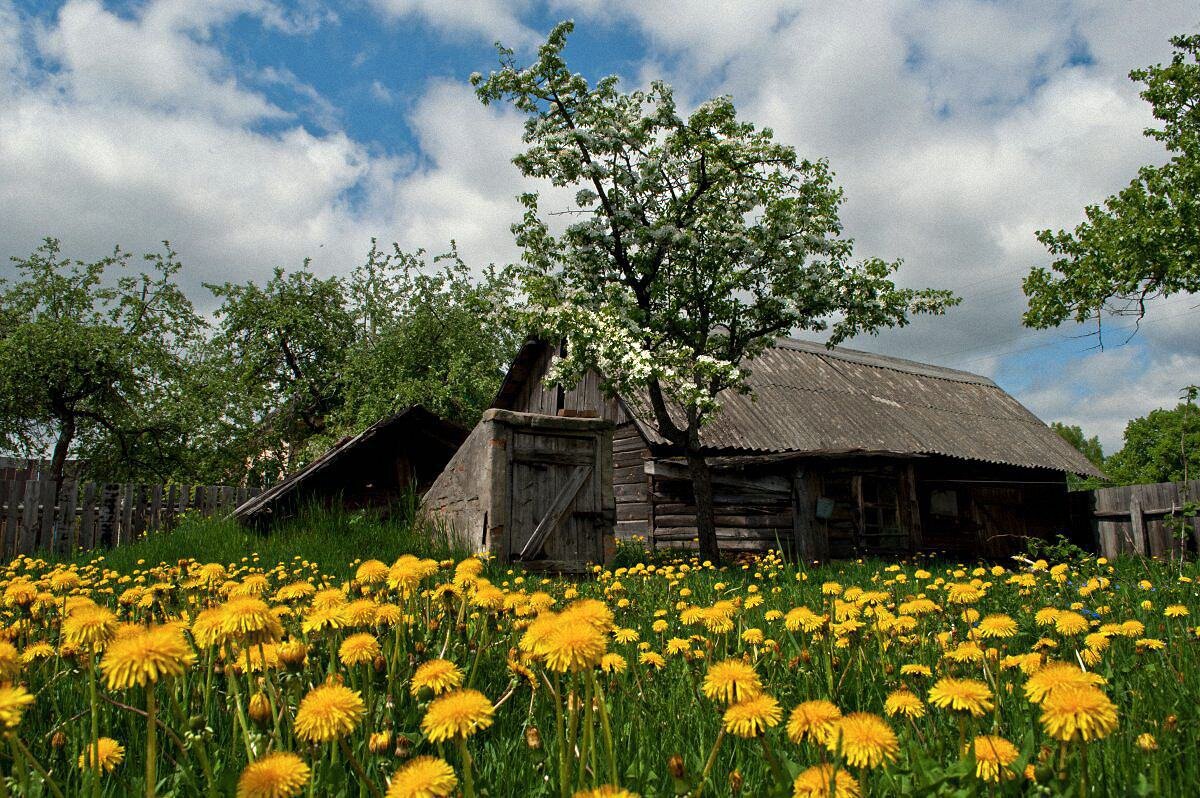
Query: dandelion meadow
(419, 677)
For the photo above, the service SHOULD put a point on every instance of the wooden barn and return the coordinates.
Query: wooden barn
(837, 453)
(393, 457)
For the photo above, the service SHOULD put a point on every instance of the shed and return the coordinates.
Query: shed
(531, 488)
(395, 456)
(836, 453)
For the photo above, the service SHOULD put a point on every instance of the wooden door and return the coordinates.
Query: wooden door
(556, 512)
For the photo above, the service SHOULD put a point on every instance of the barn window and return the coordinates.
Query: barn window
(943, 503)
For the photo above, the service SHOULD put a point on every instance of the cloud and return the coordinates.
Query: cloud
(491, 20)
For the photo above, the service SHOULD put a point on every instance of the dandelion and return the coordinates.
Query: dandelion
(997, 626)
(813, 720)
(961, 695)
(865, 740)
(13, 701)
(110, 754)
(572, 646)
(276, 775)
(460, 713)
(249, 620)
(90, 626)
(613, 663)
(606, 791)
(816, 781)
(731, 681)
(903, 702)
(1078, 712)
(145, 657)
(436, 676)
(1068, 623)
(1175, 611)
(752, 716)
(328, 713)
(359, 649)
(1057, 675)
(423, 777)
(652, 659)
(993, 756)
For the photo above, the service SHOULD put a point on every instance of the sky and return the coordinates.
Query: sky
(253, 134)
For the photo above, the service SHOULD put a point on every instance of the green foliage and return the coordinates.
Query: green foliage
(428, 334)
(94, 361)
(1059, 550)
(1159, 447)
(1088, 447)
(1143, 242)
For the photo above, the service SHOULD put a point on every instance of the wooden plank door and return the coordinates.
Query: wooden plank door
(555, 511)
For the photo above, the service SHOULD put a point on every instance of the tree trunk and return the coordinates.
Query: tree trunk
(62, 446)
(706, 528)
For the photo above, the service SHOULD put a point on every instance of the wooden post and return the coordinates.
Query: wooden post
(45, 530)
(66, 519)
(1138, 523)
(13, 518)
(27, 538)
(89, 520)
(803, 516)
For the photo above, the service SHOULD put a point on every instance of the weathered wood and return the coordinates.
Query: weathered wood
(1138, 525)
(88, 519)
(542, 457)
(27, 534)
(558, 510)
(66, 525)
(12, 517)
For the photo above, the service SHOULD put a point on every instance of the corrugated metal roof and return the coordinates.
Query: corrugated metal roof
(808, 398)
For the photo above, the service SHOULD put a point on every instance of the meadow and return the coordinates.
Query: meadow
(212, 662)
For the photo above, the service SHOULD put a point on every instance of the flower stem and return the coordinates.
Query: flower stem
(151, 744)
(712, 759)
(468, 778)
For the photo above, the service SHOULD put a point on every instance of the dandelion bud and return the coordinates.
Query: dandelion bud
(1170, 722)
(735, 781)
(196, 723)
(1146, 742)
(420, 647)
(380, 742)
(533, 738)
(380, 664)
(58, 740)
(403, 746)
(675, 766)
(260, 709)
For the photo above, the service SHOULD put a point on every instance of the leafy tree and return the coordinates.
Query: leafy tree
(92, 360)
(1088, 447)
(697, 242)
(277, 356)
(429, 334)
(1143, 243)
(1163, 446)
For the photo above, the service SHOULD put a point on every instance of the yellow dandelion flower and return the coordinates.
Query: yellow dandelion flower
(1083, 712)
(13, 701)
(817, 781)
(572, 646)
(961, 695)
(904, 702)
(1176, 611)
(731, 681)
(913, 669)
(993, 756)
(605, 791)
(250, 621)
(371, 572)
(613, 663)
(109, 754)
(752, 716)
(865, 740)
(145, 657)
(1070, 623)
(277, 775)
(1057, 675)
(359, 649)
(423, 777)
(460, 713)
(437, 676)
(997, 626)
(814, 720)
(328, 712)
(652, 659)
(89, 626)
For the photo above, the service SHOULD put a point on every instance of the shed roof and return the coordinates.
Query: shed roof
(413, 427)
(807, 398)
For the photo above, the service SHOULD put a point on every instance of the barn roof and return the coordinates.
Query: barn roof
(414, 427)
(807, 399)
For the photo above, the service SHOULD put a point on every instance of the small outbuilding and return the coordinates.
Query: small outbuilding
(836, 453)
(395, 457)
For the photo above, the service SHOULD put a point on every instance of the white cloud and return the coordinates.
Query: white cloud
(492, 20)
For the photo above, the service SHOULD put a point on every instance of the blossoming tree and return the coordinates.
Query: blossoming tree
(693, 243)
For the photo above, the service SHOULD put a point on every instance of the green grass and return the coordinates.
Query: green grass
(331, 538)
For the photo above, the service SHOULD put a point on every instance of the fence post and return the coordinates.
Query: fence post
(1137, 522)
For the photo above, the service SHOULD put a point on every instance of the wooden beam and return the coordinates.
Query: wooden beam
(558, 510)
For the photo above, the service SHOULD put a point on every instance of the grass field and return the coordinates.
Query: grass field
(334, 662)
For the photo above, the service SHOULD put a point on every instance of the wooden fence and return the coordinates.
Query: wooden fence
(1138, 519)
(36, 516)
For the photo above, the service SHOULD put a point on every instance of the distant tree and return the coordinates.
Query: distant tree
(277, 356)
(697, 242)
(1088, 447)
(93, 359)
(1163, 446)
(1144, 242)
(427, 333)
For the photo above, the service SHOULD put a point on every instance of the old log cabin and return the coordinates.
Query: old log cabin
(836, 453)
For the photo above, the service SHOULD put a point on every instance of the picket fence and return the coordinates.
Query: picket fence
(37, 515)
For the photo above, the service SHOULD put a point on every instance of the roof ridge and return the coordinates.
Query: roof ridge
(883, 361)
